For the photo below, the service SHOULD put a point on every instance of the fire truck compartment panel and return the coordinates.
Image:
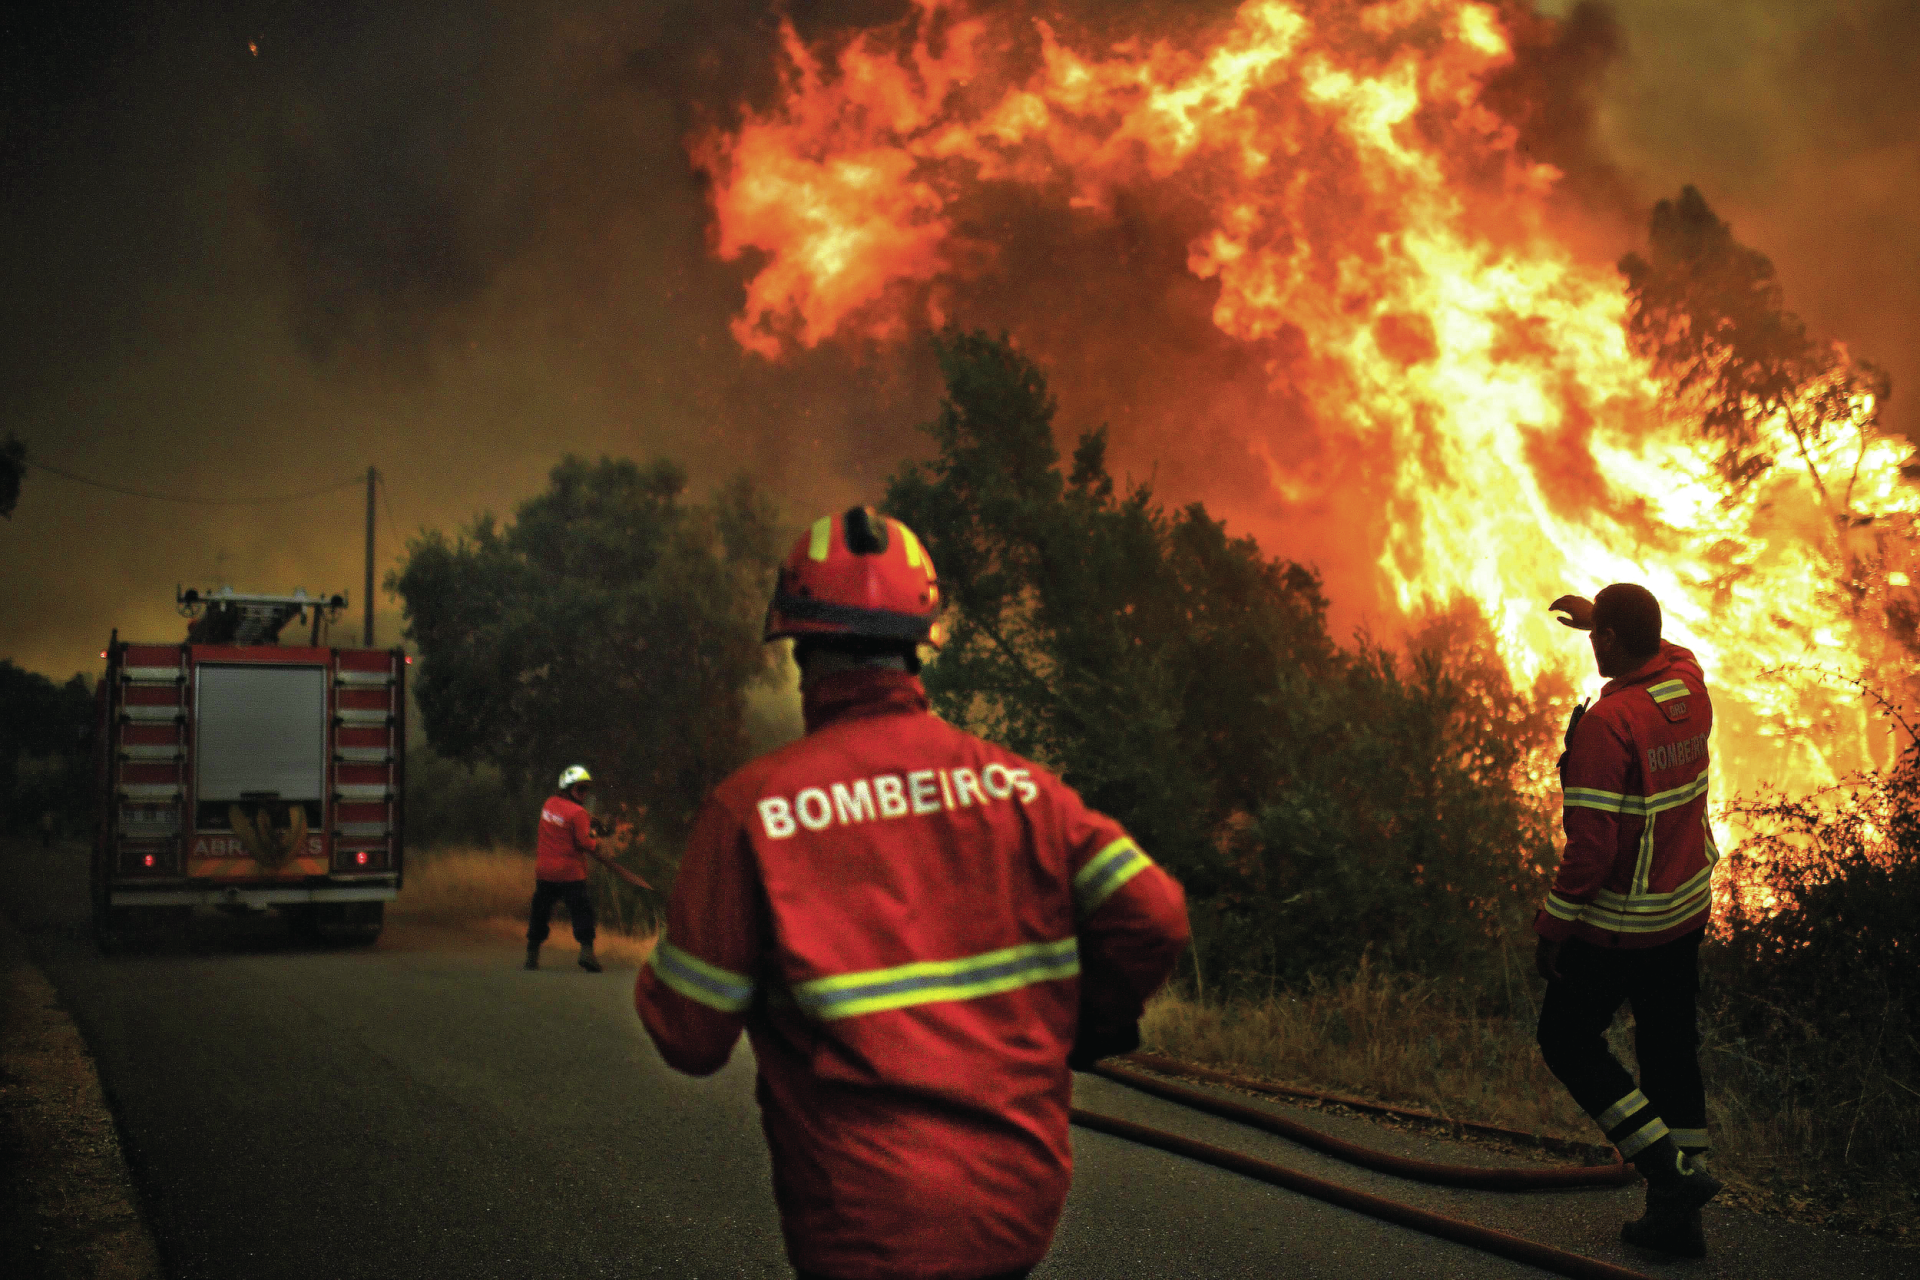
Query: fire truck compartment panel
(261, 731)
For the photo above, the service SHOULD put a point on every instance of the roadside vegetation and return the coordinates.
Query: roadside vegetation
(46, 753)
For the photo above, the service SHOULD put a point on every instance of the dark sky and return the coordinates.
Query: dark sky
(253, 248)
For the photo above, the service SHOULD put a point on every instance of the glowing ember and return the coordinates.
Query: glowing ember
(1370, 210)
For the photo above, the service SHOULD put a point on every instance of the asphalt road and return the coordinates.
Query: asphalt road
(426, 1109)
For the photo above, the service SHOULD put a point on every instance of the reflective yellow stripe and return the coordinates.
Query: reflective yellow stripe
(820, 539)
(1594, 798)
(849, 995)
(1638, 806)
(1695, 885)
(1690, 1139)
(1667, 690)
(1642, 1138)
(1559, 908)
(699, 981)
(1620, 1110)
(1614, 921)
(1105, 872)
(915, 556)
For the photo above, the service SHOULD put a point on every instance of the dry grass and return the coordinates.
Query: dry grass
(1405, 1042)
(487, 891)
(1375, 1036)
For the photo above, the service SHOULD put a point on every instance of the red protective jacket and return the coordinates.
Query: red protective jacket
(1638, 868)
(908, 922)
(566, 838)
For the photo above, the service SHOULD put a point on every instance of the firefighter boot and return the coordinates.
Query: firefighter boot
(1676, 1188)
(1671, 1231)
(533, 956)
(588, 960)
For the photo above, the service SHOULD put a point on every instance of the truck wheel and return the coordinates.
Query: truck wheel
(303, 921)
(364, 922)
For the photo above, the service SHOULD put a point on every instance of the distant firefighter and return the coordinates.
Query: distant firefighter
(920, 932)
(1624, 918)
(560, 867)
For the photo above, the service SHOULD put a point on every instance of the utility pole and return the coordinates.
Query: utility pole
(368, 640)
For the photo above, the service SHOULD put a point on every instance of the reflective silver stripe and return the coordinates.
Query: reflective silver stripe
(150, 790)
(1626, 922)
(360, 830)
(362, 679)
(363, 755)
(166, 713)
(151, 675)
(1105, 872)
(1593, 798)
(1560, 909)
(1690, 1139)
(364, 715)
(849, 995)
(1642, 1138)
(1620, 1110)
(703, 983)
(139, 751)
(1667, 690)
(361, 793)
(1652, 902)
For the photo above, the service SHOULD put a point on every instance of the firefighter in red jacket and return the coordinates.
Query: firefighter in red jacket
(1627, 910)
(560, 867)
(919, 932)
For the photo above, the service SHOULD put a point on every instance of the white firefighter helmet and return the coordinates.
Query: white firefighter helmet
(573, 775)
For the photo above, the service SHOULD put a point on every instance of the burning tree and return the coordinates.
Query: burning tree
(1424, 363)
(1791, 416)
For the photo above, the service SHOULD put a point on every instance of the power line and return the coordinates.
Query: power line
(387, 502)
(193, 501)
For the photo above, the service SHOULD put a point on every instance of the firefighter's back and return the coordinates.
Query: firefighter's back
(919, 887)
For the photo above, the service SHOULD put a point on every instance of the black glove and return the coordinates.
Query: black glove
(1089, 1045)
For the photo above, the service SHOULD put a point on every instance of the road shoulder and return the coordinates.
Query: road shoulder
(68, 1210)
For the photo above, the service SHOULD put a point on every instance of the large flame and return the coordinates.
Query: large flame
(1369, 215)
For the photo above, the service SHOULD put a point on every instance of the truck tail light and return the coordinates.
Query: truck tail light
(361, 857)
(147, 861)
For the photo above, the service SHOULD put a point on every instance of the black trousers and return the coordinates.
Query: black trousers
(579, 906)
(1662, 985)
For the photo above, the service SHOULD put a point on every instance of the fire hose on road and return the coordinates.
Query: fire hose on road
(1473, 1235)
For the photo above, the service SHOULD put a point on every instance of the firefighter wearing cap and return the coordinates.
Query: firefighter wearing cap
(1628, 907)
(560, 867)
(920, 934)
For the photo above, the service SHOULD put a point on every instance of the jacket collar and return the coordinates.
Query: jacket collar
(869, 691)
(1642, 674)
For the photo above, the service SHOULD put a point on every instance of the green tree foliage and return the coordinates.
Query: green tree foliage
(611, 623)
(1412, 815)
(451, 805)
(46, 758)
(13, 469)
(1315, 801)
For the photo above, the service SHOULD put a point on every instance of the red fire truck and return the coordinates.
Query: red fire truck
(242, 773)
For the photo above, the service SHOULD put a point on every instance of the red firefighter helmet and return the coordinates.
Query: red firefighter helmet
(857, 574)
